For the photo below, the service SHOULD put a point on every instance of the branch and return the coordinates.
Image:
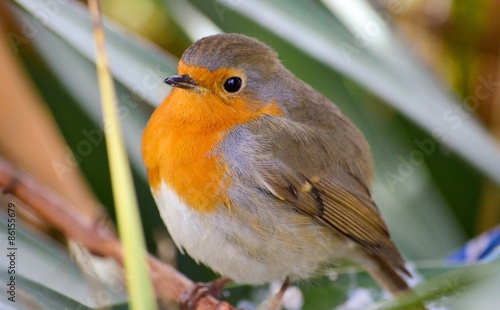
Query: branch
(168, 282)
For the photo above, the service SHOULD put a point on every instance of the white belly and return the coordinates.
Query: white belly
(247, 249)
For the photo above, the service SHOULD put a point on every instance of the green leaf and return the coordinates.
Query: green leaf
(451, 287)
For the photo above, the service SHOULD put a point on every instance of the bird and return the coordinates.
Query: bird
(259, 176)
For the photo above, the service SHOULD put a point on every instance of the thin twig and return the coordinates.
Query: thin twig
(168, 282)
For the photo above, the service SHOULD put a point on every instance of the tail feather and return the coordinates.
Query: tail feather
(388, 278)
(391, 280)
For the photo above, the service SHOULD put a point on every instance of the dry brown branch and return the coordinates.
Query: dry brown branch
(169, 283)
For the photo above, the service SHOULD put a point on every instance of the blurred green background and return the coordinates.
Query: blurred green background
(419, 78)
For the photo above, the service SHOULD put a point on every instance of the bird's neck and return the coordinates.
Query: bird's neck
(180, 147)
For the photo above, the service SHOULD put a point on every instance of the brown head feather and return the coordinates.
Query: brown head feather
(231, 51)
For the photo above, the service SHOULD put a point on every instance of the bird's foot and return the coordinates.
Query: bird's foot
(190, 298)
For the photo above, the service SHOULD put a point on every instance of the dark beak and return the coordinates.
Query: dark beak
(181, 81)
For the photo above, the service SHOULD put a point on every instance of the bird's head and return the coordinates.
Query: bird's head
(227, 72)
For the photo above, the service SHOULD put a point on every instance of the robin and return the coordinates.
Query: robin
(259, 176)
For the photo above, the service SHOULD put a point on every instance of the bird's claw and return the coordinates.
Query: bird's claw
(191, 297)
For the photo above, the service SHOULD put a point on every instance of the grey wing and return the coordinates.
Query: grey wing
(322, 174)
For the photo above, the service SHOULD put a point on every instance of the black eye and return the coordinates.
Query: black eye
(233, 84)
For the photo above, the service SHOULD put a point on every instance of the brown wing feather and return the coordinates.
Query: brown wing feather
(347, 213)
(323, 179)
(359, 221)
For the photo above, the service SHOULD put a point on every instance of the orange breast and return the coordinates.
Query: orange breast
(179, 145)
